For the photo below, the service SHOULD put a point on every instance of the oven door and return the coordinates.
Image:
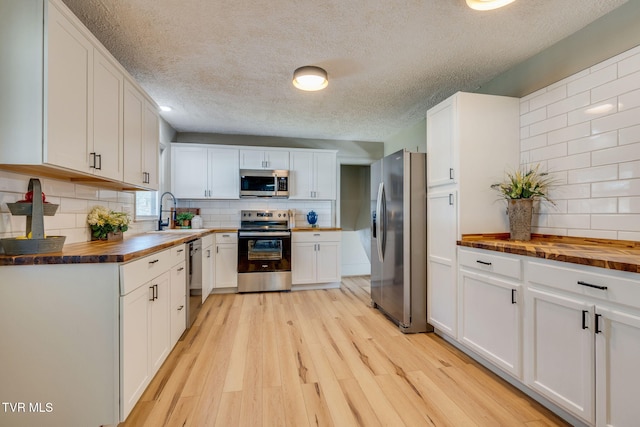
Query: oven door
(264, 252)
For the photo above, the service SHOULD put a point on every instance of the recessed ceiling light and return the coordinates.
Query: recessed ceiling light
(165, 108)
(310, 78)
(487, 4)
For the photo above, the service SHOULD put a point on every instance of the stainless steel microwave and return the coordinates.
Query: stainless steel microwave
(264, 183)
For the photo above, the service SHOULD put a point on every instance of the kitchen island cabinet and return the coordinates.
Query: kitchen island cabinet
(96, 322)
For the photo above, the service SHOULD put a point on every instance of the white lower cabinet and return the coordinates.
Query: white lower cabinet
(152, 318)
(570, 333)
(315, 257)
(561, 351)
(208, 266)
(617, 373)
(226, 261)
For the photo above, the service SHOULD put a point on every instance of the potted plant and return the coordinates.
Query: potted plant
(520, 188)
(184, 219)
(106, 224)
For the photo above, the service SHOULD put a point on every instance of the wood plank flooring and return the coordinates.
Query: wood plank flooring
(322, 358)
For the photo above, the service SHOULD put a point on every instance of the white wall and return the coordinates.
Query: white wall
(586, 130)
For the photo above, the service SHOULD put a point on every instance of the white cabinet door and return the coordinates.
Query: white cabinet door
(560, 350)
(264, 159)
(226, 266)
(189, 172)
(134, 332)
(301, 175)
(132, 135)
(490, 319)
(178, 301)
(108, 83)
(159, 321)
(252, 159)
(224, 173)
(324, 166)
(617, 373)
(276, 159)
(440, 143)
(441, 261)
(208, 269)
(328, 262)
(150, 145)
(69, 65)
(303, 263)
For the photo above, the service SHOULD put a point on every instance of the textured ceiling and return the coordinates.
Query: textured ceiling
(226, 66)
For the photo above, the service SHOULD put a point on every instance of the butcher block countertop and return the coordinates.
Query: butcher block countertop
(128, 249)
(623, 255)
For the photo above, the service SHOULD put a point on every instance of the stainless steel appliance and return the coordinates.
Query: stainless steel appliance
(399, 239)
(264, 183)
(194, 280)
(264, 251)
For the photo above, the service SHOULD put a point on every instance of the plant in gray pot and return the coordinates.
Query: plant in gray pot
(520, 188)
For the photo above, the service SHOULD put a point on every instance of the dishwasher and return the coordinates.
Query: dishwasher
(194, 281)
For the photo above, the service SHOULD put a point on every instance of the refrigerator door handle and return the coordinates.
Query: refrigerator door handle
(379, 223)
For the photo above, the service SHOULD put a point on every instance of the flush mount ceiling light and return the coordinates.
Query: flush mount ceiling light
(310, 78)
(487, 4)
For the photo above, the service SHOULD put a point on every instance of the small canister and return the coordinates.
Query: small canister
(196, 222)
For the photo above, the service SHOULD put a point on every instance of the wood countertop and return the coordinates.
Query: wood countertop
(128, 249)
(623, 255)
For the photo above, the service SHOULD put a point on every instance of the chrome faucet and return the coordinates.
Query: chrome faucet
(160, 222)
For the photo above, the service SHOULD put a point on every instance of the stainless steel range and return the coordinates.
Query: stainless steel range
(264, 251)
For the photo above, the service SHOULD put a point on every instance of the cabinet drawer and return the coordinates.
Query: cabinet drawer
(178, 254)
(490, 262)
(599, 283)
(316, 236)
(138, 272)
(226, 237)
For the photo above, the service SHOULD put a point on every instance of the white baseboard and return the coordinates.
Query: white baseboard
(314, 286)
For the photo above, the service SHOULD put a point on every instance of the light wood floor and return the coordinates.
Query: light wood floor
(322, 358)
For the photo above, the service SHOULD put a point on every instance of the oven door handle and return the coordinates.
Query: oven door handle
(264, 234)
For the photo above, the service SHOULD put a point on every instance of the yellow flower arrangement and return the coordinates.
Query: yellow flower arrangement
(103, 221)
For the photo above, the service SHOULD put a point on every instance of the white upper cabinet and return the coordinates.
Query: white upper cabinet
(313, 175)
(63, 100)
(198, 172)
(69, 73)
(264, 159)
(440, 144)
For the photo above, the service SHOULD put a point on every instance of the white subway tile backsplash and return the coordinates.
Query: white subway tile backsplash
(593, 234)
(534, 142)
(629, 170)
(629, 100)
(621, 222)
(593, 111)
(593, 79)
(546, 153)
(569, 221)
(592, 143)
(569, 133)
(582, 206)
(548, 125)
(549, 97)
(628, 205)
(619, 120)
(617, 87)
(629, 235)
(627, 187)
(629, 135)
(629, 65)
(571, 191)
(569, 104)
(533, 117)
(72, 205)
(593, 174)
(615, 155)
(566, 163)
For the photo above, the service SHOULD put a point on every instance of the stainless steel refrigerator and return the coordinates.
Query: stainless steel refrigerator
(399, 239)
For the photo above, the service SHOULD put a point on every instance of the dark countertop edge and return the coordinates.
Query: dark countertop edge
(112, 257)
(539, 248)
